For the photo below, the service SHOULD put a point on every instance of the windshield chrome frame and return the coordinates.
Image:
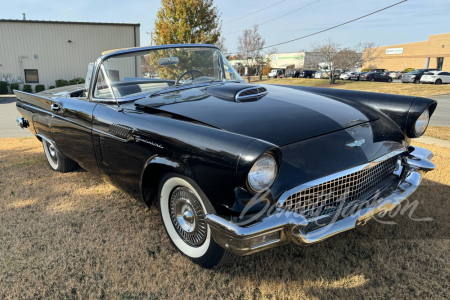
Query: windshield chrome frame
(99, 64)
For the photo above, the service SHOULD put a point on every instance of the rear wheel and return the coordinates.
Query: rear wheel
(183, 212)
(438, 82)
(372, 79)
(417, 81)
(56, 160)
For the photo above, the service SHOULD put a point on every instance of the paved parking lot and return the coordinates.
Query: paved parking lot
(441, 116)
(9, 114)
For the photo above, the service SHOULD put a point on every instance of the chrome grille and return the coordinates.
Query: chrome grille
(340, 192)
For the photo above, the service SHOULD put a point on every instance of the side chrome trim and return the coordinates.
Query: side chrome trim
(307, 185)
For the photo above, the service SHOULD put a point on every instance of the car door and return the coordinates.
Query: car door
(72, 130)
(376, 76)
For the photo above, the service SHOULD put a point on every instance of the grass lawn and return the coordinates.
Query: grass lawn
(439, 132)
(420, 90)
(73, 236)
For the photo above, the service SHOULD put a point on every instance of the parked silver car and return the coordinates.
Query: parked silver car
(397, 74)
(346, 75)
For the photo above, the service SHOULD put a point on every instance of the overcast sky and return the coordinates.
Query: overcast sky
(410, 21)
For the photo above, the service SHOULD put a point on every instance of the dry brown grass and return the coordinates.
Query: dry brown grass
(439, 132)
(73, 236)
(419, 90)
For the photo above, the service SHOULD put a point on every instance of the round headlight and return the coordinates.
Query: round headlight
(422, 123)
(263, 173)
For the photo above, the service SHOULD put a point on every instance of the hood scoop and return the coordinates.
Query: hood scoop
(237, 92)
(251, 93)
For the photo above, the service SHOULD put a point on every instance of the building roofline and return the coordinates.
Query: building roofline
(68, 22)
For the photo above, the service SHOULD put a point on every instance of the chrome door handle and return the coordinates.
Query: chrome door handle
(55, 107)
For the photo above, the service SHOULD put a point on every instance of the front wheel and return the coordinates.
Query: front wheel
(438, 82)
(182, 206)
(57, 161)
(390, 80)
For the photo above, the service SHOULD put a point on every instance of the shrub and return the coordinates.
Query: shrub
(39, 88)
(365, 70)
(14, 86)
(51, 87)
(61, 82)
(76, 81)
(3, 87)
(27, 88)
(407, 70)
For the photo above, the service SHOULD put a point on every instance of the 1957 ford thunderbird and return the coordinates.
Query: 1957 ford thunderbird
(234, 168)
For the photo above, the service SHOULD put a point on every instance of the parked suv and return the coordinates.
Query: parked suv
(415, 75)
(306, 74)
(276, 73)
(376, 76)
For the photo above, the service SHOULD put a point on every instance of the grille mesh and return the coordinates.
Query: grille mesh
(340, 192)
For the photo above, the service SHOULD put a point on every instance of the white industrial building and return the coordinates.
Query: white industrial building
(40, 52)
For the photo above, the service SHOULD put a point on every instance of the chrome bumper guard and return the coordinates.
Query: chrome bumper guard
(284, 226)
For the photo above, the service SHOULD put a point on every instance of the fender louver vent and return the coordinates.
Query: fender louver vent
(120, 130)
(251, 94)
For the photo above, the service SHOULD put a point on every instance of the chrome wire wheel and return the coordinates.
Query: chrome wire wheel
(187, 216)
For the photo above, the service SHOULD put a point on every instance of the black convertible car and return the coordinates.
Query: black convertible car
(234, 168)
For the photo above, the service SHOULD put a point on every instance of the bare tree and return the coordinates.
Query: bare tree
(327, 51)
(370, 53)
(347, 59)
(264, 60)
(221, 43)
(249, 47)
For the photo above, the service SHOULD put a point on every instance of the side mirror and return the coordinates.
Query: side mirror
(168, 61)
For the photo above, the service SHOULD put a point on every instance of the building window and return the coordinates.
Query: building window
(440, 63)
(31, 76)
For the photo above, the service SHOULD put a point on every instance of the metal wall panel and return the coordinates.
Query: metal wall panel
(56, 57)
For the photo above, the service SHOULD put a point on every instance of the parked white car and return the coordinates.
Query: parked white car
(321, 75)
(346, 75)
(436, 77)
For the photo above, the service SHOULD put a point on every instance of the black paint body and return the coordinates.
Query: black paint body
(204, 133)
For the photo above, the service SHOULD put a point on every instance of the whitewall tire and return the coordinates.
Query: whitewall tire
(183, 213)
(56, 160)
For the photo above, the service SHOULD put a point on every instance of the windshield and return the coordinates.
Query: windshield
(147, 72)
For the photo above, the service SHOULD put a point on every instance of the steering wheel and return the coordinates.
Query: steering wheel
(189, 72)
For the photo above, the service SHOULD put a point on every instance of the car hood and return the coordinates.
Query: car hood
(281, 116)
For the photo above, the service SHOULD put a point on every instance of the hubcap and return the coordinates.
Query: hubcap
(52, 152)
(187, 216)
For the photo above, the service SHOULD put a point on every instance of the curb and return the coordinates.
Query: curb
(434, 141)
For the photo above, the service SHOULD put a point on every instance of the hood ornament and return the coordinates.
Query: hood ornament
(357, 143)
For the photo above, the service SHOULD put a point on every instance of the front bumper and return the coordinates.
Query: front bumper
(408, 80)
(281, 227)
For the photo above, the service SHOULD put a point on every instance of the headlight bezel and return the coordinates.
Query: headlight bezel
(251, 188)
